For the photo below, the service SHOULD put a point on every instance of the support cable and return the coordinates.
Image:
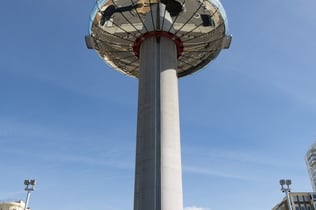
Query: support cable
(189, 18)
(121, 12)
(196, 26)
(120, 26)
(206, 34)
(176, 18)
(141, 20)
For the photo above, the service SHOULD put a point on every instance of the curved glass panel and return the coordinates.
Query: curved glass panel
(219, 5)
(198, 28)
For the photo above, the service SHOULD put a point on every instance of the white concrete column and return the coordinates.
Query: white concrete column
(148, 163)
(171, 174)
(158, 179)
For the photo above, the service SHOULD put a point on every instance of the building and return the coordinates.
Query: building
(310, 159)
(299, 201)
(15, 205)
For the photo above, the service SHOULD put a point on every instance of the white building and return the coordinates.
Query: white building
(310, 159)
(298, 201)
(17, 205)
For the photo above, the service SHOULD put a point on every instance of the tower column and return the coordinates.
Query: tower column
(157, 42)
(171, 180)
(158, 180)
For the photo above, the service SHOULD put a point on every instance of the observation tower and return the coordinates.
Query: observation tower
(157, 42)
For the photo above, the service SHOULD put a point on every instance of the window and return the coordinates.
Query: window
(297, 208)
(207, 20)
(306, 198)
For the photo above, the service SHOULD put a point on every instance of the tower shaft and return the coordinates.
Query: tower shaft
(158, 180)
(157, 42)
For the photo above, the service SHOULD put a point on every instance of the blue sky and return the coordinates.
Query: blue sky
(69, 121)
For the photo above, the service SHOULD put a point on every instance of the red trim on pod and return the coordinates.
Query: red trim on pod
(138, 42)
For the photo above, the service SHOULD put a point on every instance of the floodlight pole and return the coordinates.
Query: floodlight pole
(29, 188)
(285, 188)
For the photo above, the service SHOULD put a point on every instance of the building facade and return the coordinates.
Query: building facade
(16, 205)
(310, 159)
(299, 201)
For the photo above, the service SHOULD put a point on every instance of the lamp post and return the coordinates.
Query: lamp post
(285, 188)
(29, 188)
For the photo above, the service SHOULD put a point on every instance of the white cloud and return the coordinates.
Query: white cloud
(195, 208)
(219, 173)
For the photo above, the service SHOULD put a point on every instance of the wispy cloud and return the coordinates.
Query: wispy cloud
(195, 208)
(260, 158)
(76, 147)
(298, 88)
(88, 160)
(9, 195)
(217, 173)
(236, 164)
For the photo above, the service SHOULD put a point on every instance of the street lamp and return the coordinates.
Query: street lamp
(285, 188)
(29, 188)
